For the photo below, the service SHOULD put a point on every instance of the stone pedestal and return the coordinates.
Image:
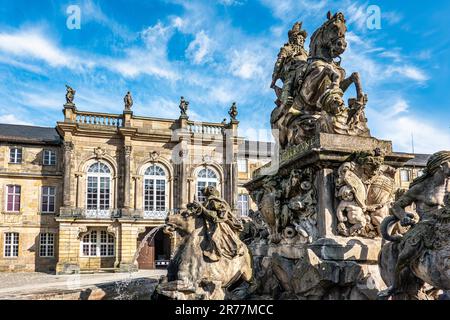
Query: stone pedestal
(306, 255)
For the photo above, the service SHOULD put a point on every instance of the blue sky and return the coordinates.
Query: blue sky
(217, 52)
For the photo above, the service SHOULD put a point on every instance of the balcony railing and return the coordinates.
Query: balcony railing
(82, 213)
(205, 128)
(99, 119)
(155, 215)
(90, 213)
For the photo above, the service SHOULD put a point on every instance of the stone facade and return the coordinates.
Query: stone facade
(28, 220)
(104, 200)
(133, 142)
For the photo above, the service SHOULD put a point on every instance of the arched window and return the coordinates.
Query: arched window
(155, 182)
(98, 191)
(97, 243)
(206, 177)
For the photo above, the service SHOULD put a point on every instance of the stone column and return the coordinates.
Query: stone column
(77, 195)
(69, 248)
(171, 197)
(325, 214)
(127, 176)
(234, 183)
(136, 180)
(68, 149)
(183, 186)
(114, 228)
(230, 168)
(128, 246)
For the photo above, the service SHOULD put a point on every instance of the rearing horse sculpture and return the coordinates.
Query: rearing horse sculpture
(318, 104)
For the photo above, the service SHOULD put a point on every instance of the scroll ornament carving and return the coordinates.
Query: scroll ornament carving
(288, 206)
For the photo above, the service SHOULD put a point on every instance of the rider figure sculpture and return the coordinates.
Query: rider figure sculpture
(291, 56)
(222, 234)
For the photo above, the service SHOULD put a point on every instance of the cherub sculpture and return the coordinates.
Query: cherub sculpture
(184, 106)
(70, 95)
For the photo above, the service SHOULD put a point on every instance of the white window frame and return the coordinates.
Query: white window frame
(208, 181)
(242, 165)
(406, 171)
(97, 212)
(15, 156)
(48, 196)
(13, 244)
(153, 179)
(49, 157)
(14, 194)
(47, 245)
(95, 247)
(243, 210)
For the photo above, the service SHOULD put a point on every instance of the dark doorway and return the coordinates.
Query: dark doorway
(162, 250)
(155, 253)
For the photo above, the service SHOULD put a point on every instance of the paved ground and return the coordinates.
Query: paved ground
(13, 285)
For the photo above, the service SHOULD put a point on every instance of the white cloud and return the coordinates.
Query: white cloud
(200, 49)
(360, 56)
(398, 107)
(25, 66)
(289, 9)
(93, 12)
(356, 15)
(151, 59)
(163, 107)
(246, 64)
(407, 71)
(390, 123)
(33, 44)
(178, 22)
(12, 119)
(230, 2)
(391, 17)
(223, 94)
(40, 99)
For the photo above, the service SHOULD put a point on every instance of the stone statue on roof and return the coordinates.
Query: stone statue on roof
(184, 106)
(128, 100)
(70, 95)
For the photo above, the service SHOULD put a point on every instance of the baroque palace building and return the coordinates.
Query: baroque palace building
(83, 195)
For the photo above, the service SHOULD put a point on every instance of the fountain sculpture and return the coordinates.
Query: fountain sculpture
(324, 209)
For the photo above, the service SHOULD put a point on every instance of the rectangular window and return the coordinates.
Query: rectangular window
(47, 245)
(98, 243)
(155, 195)
(13, 198)
(405, 175)
(242, 165)
(49, 158)
(48, 199)
(11, 245)
(106, 244)
(15, 155)
(243, 205)
(92, 193)
(104, 193)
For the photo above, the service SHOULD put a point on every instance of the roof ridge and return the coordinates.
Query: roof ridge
(26, 125)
